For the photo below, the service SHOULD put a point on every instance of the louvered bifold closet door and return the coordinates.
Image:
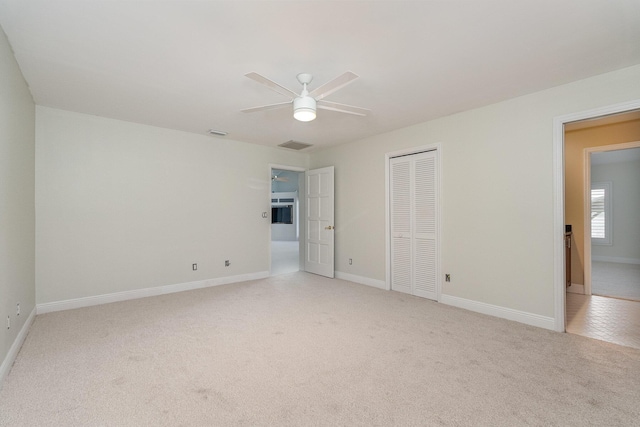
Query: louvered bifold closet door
(424, 226)
(400, 197)
(414, 219)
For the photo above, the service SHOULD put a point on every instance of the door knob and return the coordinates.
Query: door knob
(329, 227)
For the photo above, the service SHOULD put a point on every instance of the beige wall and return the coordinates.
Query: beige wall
(17, 213)
(497, 196)
(575, 143)
(123, 206)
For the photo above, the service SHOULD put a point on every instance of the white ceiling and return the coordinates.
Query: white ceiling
(181, 64)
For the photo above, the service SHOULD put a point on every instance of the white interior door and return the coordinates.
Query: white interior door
(401, 205)
(424, 226)
(320, 229)
(414, 219)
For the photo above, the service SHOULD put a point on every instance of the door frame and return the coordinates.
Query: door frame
(558, 199)
(301, 204)
(587, 203)
(387, 211)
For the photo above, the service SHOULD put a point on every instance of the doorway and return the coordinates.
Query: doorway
(612, 180)
(598, 150)
(559, 181)
(286, 214)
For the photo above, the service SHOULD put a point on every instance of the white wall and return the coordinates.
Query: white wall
(17, 212)
(497, 241)
(123, 206)
(625, 179)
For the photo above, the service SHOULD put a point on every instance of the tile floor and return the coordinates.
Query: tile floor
(615, 279)
(607, 319)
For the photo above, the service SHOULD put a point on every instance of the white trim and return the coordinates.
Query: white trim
(7, 363)
(586, 221)
(502, 312)
(576, 289)
(613, 147)
(439, 233)
(380, 284)
(287, 168)
(70, 304)
(387, 225)
(558, 199)
(559, 282)
(619, 260)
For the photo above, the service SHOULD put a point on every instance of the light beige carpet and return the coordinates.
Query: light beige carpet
(302, 350)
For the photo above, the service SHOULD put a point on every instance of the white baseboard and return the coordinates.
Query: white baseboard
(479, 307)
(380, 284)
(615, 259)
(502, 312)
(576, 289)
(7, 363)
(146, 292)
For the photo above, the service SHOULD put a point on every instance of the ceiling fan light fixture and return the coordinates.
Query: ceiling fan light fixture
(304, 108)
(304, 105)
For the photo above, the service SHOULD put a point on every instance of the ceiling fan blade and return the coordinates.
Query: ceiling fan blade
(333, 85)
(272, 85)
(342, 108)
(266, 107)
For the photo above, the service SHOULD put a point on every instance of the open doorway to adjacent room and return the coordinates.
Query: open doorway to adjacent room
(614, 216)
(286, 214)
(602, 235)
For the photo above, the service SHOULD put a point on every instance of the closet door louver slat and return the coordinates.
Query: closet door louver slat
(401, 277)
(414, 210)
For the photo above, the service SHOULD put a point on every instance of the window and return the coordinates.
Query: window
(601, 213)
(282, 214)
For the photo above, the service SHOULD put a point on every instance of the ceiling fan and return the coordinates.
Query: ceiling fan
(275, 177)
(305, 104)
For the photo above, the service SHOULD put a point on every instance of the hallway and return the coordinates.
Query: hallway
(285, 257)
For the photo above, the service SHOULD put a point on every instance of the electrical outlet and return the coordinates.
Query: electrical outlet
(194, 267)
(447, 277)
(350, 261)
(227, 263)
(18, 310)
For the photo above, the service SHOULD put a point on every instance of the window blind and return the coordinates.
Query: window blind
(598, 214)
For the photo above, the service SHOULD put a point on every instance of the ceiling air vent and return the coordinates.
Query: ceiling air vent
(294, 145)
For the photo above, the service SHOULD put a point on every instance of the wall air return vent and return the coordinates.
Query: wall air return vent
(294, 145)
